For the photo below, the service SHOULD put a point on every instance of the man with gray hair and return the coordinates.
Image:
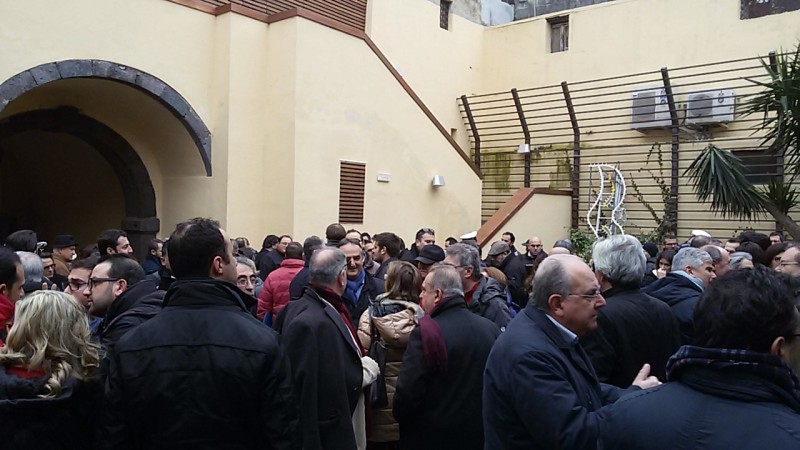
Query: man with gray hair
(633, 328)
(34, 272)
(539, 389)
(328, 366)
(720, 259)
(438, 398)
(692, 272)
(483, 295)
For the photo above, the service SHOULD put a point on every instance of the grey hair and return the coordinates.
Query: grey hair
(325, 266)
(244, 260)
(32, 265)
(738, 257)
(565, 243)
(551, 278)
(621, 259)
(690, 256)
(467, 256)
(446, 278)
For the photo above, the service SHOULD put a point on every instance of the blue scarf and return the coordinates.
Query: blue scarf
(353, 290)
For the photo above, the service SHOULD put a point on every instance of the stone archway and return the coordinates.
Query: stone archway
(140, 221)
(43, 74)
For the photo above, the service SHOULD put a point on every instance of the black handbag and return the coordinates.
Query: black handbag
(377, 351)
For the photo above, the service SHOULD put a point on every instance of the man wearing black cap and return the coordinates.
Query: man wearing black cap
(513, 268)
(63, 253)
(428, 256)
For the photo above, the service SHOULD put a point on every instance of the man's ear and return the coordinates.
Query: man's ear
(777, 347)
(119, 287)
(555, 303)
(216, 266)
(4, 290)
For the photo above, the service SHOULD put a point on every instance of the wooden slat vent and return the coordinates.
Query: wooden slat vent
(351, 192)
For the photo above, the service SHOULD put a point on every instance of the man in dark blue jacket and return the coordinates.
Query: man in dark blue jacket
(539, 389)
(692, 272)
(737, 388)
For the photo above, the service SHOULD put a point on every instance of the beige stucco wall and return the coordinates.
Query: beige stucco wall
(544, 215)
(440, 65)
(350, 107)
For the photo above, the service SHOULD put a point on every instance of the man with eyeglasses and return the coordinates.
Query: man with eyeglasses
(119, 292)
(361, 289)
(790, 261)
(633, 328)
(77, 280)
(539, 389)
(425, 236)
(533, 251)
(483, 295)
(736, 386)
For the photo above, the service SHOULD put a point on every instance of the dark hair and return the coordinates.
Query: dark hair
(284, 236)
(423, 231)
(270, 241)
(335, 232)
(85, 263)
(390, 241)
(699, 241)
(294, 250)
(153, 245)
(773, 251)
(754, 249)
(353, 230)
(564, 243)
(451, 240)
(761, 239)
(366, 235)
(666, 254)
(8, 266)
(89, 251)
(193, 246)
(310, 245)
(242, 242)
(779, 234)
(108, 239)
(510, 235)
(22, 241)
(734, 240)
(746, 309)
(668, 236)
(123, 266)
(45, 255)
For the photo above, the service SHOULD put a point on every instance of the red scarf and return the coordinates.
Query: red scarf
(6, 314)
(336, 300)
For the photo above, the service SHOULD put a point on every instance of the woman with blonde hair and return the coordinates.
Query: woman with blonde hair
(47, 397)
(389, 321)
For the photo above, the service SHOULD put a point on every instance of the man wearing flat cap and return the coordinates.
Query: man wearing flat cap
(63, 253)
(513, 268)
(428, 256)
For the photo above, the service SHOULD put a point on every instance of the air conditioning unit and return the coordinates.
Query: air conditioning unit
(713, 107)
(650, 109)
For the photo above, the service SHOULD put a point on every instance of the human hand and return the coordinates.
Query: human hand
(644, 380)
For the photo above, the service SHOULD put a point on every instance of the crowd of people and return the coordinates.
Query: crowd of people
(355, 341)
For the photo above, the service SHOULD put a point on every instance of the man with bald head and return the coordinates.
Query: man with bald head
(720, 259)
(539, 361)
(533, 249)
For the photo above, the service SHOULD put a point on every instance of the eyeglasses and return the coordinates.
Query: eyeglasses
(454, 266)
(534, 245)
(77, 285)
(93, 281)
(590, 297)
(242, 282)
(51, 266)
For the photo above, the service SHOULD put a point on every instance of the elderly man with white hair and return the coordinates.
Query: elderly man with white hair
(633, 328)
(692, 272)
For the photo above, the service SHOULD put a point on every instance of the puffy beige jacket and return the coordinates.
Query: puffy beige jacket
(394, 329)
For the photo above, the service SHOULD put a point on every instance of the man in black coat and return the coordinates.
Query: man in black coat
(633, 328)
(204, 372)
(438, 398)
(327, 364)
(424, 236)
(539, 389)
(119, 291)
(500, 256)
(692, 271)
(737, 388)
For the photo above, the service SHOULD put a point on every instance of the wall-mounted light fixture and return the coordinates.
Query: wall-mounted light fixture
(438, 181)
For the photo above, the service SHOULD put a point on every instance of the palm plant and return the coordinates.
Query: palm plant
(718, 176)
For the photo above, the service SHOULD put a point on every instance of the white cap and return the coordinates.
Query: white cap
(470, 235)
(700, 233)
